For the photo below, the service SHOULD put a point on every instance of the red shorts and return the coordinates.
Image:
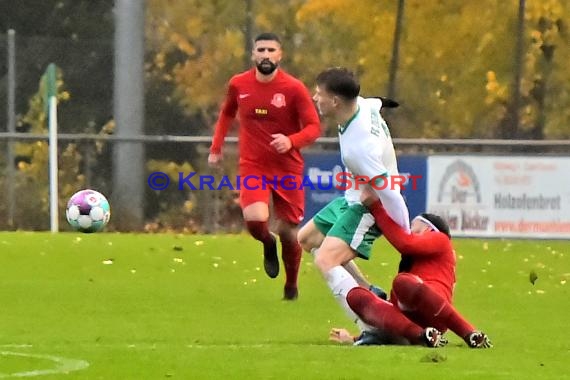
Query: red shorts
(283, 188)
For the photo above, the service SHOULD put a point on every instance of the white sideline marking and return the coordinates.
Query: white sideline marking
(64, 365)
(146, 346)
(263, 345)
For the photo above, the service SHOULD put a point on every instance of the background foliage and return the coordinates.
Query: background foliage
(455, 74)
(456, 62)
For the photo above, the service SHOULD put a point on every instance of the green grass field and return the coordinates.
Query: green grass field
(127, 306)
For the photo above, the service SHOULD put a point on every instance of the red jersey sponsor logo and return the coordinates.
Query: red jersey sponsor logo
(278, 100)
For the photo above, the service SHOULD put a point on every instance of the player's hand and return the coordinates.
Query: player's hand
(340, 336)
(368, 196)
(214, 160)
(280, 143)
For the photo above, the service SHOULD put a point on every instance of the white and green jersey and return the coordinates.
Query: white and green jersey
(366, 145)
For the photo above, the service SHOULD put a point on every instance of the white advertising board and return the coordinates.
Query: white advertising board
(501, 196)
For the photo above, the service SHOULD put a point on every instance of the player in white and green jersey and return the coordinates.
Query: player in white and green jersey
(345, 229)
(366, 147)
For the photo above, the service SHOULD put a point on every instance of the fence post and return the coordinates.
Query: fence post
(51, 103)
(11, 126)
(128, 157)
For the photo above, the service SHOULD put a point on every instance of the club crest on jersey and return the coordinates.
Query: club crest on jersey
(278, 100)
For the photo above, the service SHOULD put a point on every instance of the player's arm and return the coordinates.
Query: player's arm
(309, 118)
(355, 272)
(407, 243)
(361, 279)
(225, 119)
(369, 165)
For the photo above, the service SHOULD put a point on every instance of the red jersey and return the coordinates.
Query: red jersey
(430, 255)
(282, 105)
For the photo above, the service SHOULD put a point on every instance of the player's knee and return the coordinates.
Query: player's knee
(257, 229)
(286, 232)
(307, 247)
(305, 240)
(328, 259)
(333, 252)
(309, 239)
(405, 286)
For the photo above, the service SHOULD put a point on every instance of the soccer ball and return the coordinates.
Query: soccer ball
(88, 211)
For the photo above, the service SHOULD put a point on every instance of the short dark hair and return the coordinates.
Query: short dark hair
(267, 36)
(438, 222)
(339, 81)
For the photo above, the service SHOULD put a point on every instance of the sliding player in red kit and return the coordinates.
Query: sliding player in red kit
(420, 307)
(277, 118)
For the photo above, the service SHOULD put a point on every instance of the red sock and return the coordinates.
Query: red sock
(291, 252)
(382, 315)
(260, 231)
(432, 307)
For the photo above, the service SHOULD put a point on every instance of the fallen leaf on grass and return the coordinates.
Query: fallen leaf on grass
(532, 277)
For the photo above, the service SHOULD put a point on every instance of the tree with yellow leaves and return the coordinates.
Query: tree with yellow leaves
(455, 72)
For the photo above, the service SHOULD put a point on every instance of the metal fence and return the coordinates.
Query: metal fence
(25, 196)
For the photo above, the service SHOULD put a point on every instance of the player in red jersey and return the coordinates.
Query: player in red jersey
(277, 118)
(422, 291)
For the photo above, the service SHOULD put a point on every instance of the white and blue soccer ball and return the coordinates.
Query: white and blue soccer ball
(88, 211)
